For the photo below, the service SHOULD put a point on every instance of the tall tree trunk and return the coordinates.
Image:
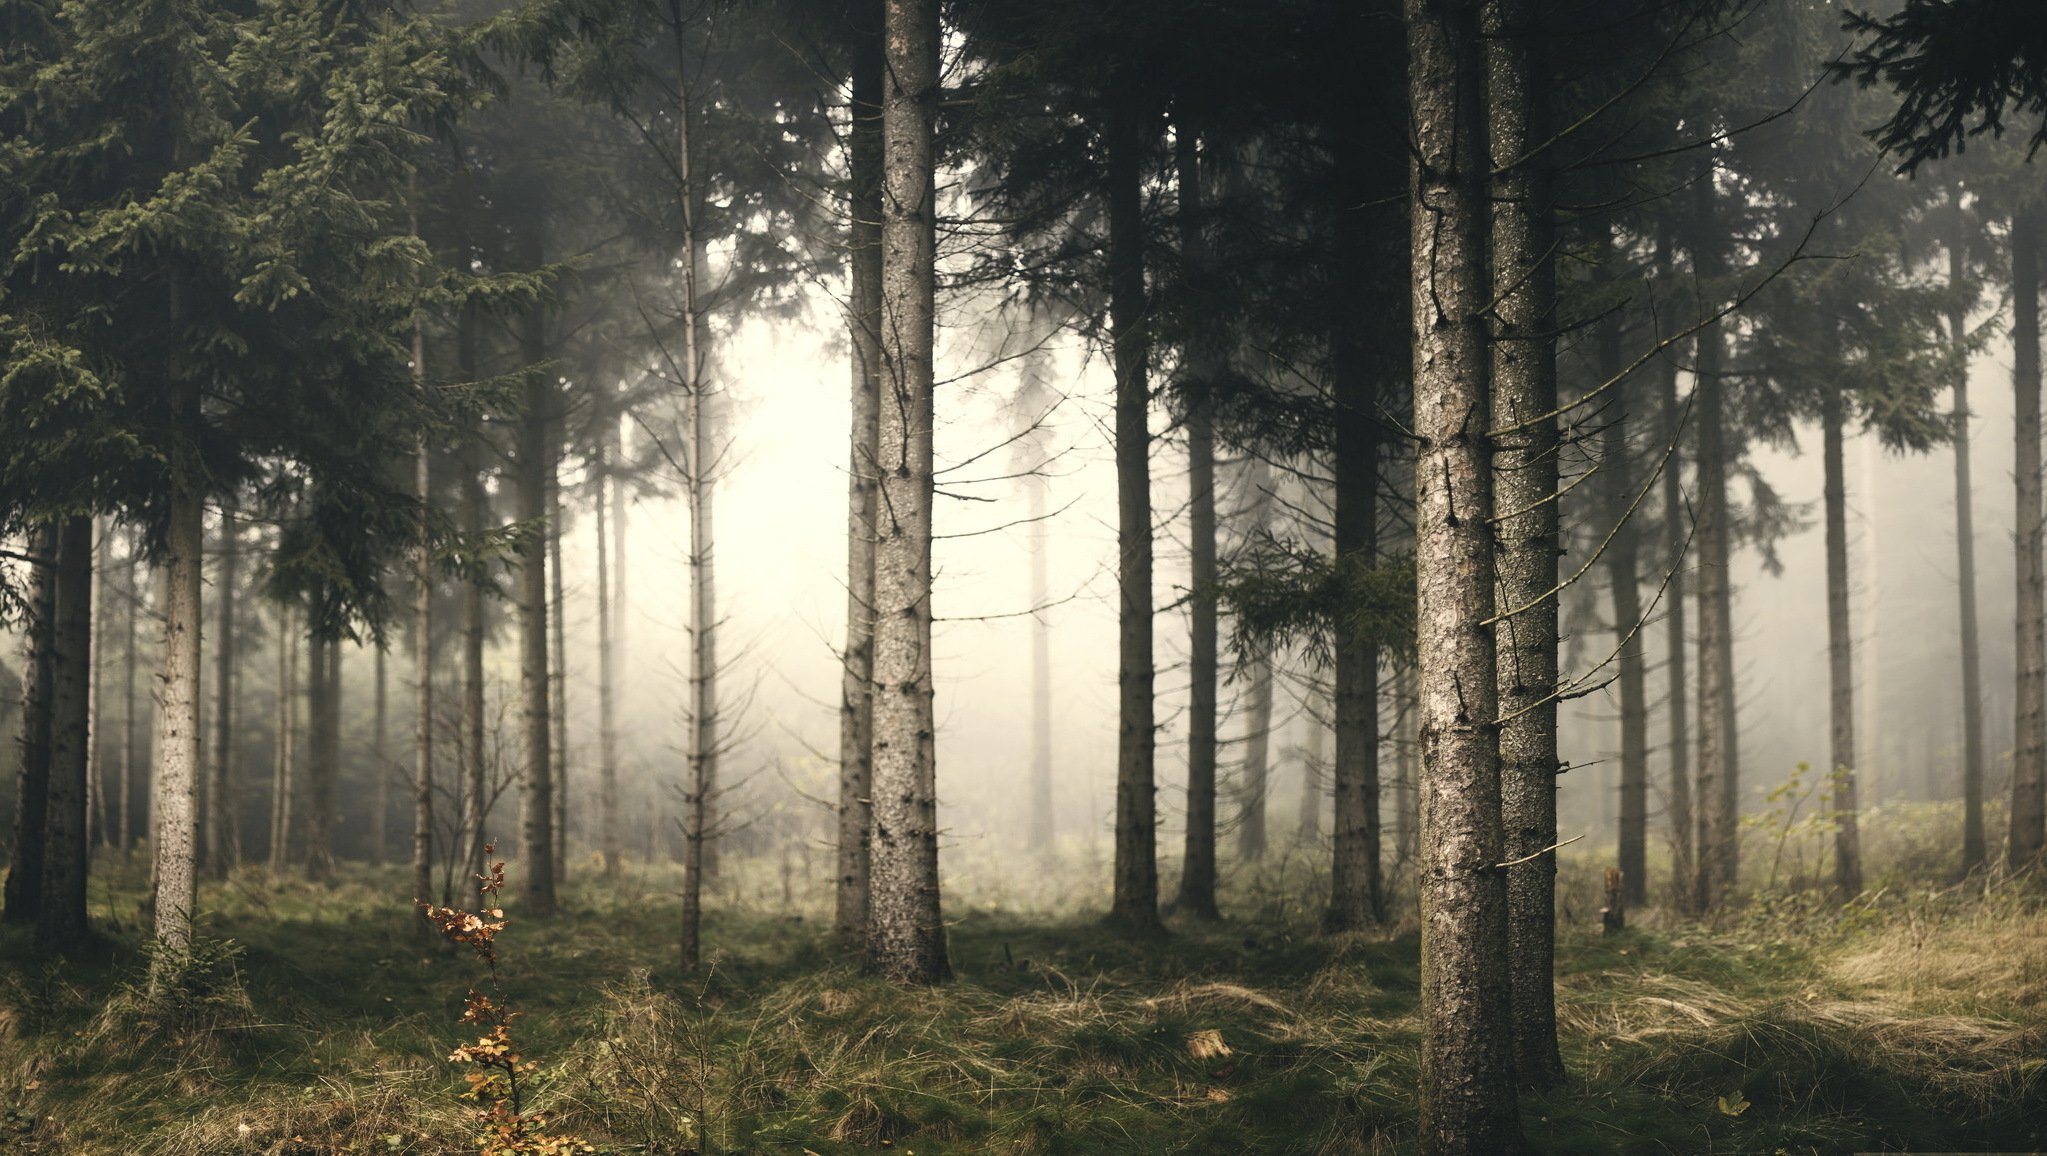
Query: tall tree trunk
(1197, 873)
(906, 934)
(24, 892)
(475, 787)
(1717, 799)
(1136, 890)
(558, 664)
(174, 808)
(422, 655)
(66, 854)
(95, 754)
(223, 794)
(124, 830)
(1356, 890)
(1467, 1081)
(607, 722)
(535, 459)
(1406, 753)
(1255, 775)
(1973, 842)
(1840, 643)
(1524, 396)
(380, 763)
(1043, 825)
(1623, 562)
(1676, 536)
(856, 684)
(282, 779)
(321, 756)
(2029, 749)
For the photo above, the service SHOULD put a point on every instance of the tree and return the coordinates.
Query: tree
(1467, 1079)
(1973, 850)
(2028, 816)
(24, 895)
(906, 937)
(61, 915)
(1197, 871)
(223, 783)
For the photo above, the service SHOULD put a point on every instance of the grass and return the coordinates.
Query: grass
(1918, 1020)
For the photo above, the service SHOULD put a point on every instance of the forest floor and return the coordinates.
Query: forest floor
(1917, 1021)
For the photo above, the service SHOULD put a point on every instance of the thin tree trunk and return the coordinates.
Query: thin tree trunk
(124, 830)
(223, 828)
(1467, 1074)
(1524, 393)
(475, 787)
(422, 656)
(1255, 775)
(856, 684)
(1314, 752)
(1356, 890)
(1197, 872)
(177, 768)
(1716, 846)
(536, 786)
(321, 753)
(1043, 823)
(102, 613)
(1406, 754)
(1677, 695)
(1973, 842)
(380, 764)
(2028, 816)
(1840, 643)
(66, 854)
(24, 891)
(607, 732)
(1136, 890)
(906, 933)
(558, 686)
(1623, 561)
(283, 779)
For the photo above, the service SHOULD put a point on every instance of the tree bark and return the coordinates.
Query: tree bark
(856, 684)
(1255, 778)
(536, 786)
(558, 686)
(1467, 1082)
(1677, 696)
(1623, 562)
(1524, 402)
(130, 662)
(322, 741)
(380, 763)
(223, 792)
(281, 778)
(906, 935)
(2028, 833)
(1717, 844)
(177, 699)
(1356, 890)
(24, 891)
(1840, 644)
(607, 722)
(1136, 885)
(95, 752)
(1973, 841)
(1197, 871)
(67, 855)
(422, 656)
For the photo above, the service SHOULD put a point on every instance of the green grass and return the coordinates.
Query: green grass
(1920, 1022)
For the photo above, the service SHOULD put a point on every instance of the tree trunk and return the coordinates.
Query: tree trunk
(475, 786)
(607, 723)
(380, 764)
(1717, 845)
(283, 781)
(1524, 395)
(906, 934)
(24, 892)
(223, 792)
(177, 701)
(130, 661)
(1197, 873)
(1255, 776)
(558, 686)
(95, 754)
(1406, 753)
(1043, 828)
(422, 656)
(2029, 748)
(1840, 643)
(1973, 842)
(1623, 560)
(66, 854)
(856, 683)
(1677, 697)
(322, 741)
(1136, 890)
(1356, 892)
(1314, 752)
(535, 459)
(1467, 1074)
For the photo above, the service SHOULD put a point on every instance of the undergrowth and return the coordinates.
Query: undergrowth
(1911, 1018)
